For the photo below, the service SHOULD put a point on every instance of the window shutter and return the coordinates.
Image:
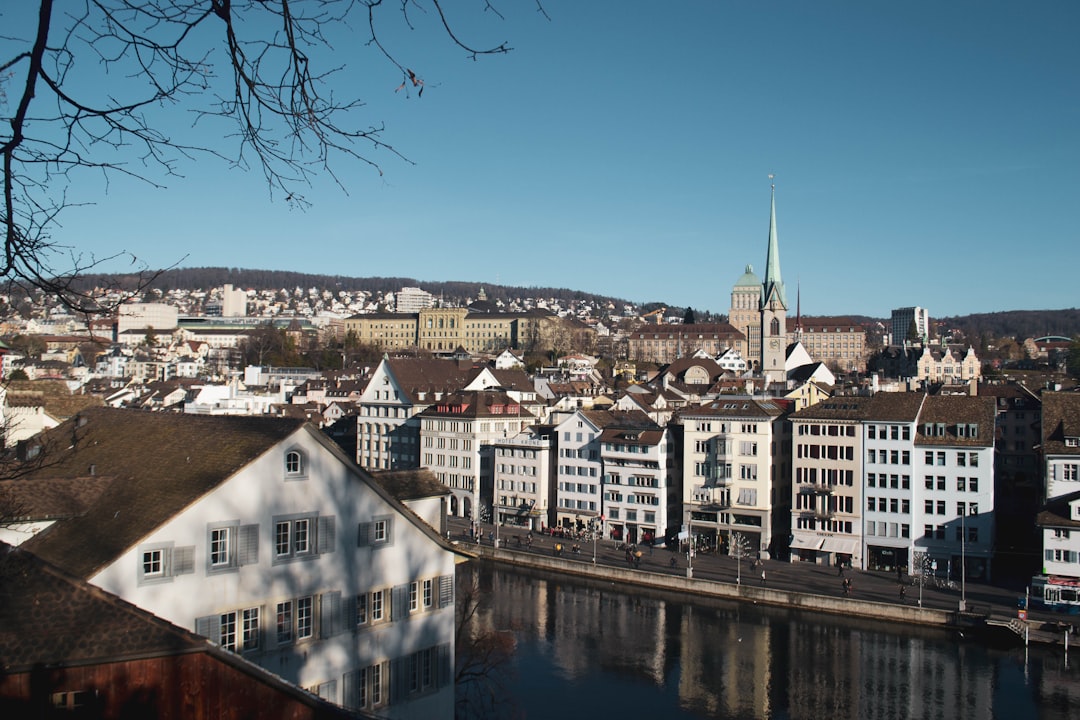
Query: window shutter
(183, 560)
(349, 613)
(446, 590)
(330, 613)
(209, 627)
(397, 678)
(446, 665)
(326, 534)
(363, 534)
(400, 608)
(350, 690)
(328, 691)
(248, 551)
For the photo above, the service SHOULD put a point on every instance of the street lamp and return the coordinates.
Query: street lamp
(690, 541)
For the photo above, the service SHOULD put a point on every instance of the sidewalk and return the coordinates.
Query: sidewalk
(986, 600)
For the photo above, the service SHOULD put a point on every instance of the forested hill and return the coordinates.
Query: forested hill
(1019, 324)
(208, 277)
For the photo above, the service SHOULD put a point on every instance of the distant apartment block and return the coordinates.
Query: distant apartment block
(901, 325)
(412, 300)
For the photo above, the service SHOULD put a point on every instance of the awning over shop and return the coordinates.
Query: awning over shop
(806, 542)
(843, 546)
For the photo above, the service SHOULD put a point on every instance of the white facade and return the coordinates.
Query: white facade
(142, 316)
(637, 482)
(578, 471)
(412, 300)
(233, 302)
(523, 489)
(295, 560)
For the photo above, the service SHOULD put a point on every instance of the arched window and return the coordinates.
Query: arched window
(774, 327)
(295, 464)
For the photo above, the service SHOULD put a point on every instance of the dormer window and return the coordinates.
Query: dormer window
(1072, 442)
(295, 464)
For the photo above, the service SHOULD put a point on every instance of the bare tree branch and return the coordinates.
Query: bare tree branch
(91, 82)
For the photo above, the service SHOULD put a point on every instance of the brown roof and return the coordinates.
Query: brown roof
(1060, 419)
(954, 410)
(721, 330)
(160, 463)
(411, 484)
(428, 375)
(475, 404)
(734, 406)
(73, 622)
(50, 498)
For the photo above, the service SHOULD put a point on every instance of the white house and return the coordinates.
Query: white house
(260, 534)
(1059, 521)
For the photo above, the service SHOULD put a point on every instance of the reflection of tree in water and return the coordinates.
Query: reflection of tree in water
(484, 651)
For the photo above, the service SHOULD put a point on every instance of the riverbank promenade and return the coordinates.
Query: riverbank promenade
(800, 584)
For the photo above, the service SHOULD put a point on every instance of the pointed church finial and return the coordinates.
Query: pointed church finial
(773, 286)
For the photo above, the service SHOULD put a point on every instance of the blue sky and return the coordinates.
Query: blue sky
(925, 153)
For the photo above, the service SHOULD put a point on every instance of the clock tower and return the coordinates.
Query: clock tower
(773, 307)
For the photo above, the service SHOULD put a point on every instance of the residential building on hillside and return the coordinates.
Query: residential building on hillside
(266, 539)
(412, 300)
(667, 343)
(900, 326)
(233, 302)
(457, 437)
(141, 317)
(736, 474)
(442, 330)
(838, 342)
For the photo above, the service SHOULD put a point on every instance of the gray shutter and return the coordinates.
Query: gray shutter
(330, 614)
(209, 627)
(400, 607)
(328, 691)
(326, 535)
(350, 690)
(446, 667)
(248, 552)
(397, 680)
(446, 590)
(363, 534)
(183, 560)
(349, 613)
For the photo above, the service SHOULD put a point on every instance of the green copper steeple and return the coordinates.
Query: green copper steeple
(772, 289)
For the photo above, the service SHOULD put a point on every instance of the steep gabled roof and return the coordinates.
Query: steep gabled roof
(159, 464)
(953, 411)
(428, 375)
(1060, 419)
(73, 622)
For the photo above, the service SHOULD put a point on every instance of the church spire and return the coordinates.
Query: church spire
(773, 285)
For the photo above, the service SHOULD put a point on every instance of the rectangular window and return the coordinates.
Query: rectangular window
(427, 597)
(284, 622)
(414, 597)
(377, 606)
(220, 546)
(251, 628)
(362, 609)
(153, 565)
(973, 484)
(305, 617)
(940, 507)
(228, 631)
(961, 459)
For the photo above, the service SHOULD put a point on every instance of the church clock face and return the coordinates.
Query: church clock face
(774, 344)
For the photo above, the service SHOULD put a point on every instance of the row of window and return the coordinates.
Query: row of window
(632, 499)
(583, 488)
(888, 481)
(825, 452)
(930, 532)
(828, 476)
(304, 618)
(1062, 556)
(519, 486)
(517, 470)
(970, 484)
(648, 518)
(888, 432)
(829, 430)
(892, 505)
(580, 471)
(888, 529)
(930, 507)
(885, 457)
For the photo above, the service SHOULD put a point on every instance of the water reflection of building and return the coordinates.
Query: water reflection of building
(730, 660)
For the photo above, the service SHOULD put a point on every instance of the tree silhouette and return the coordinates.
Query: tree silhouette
(84, 88)
(688, 318)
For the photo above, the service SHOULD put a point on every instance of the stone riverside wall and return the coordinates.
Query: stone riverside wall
(708, 588)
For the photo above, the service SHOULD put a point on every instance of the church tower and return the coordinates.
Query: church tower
(773, 307)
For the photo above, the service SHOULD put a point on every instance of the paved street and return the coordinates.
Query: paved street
(795, 577)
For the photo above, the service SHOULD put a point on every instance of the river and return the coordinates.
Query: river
(593, 650)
